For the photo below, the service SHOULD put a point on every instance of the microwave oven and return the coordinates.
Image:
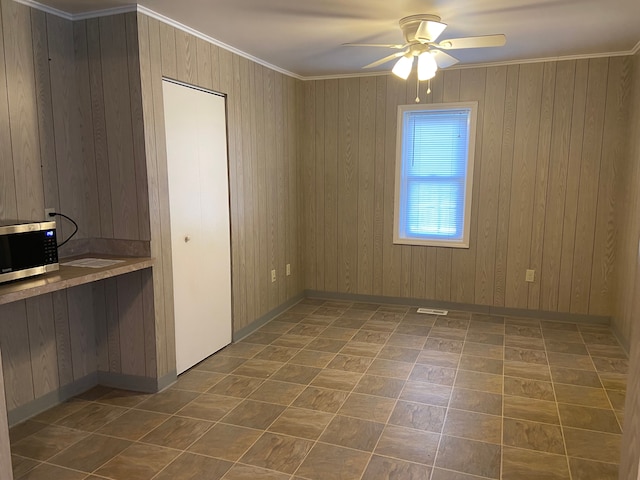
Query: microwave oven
(27, 248)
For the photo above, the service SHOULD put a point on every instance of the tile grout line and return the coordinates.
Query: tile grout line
(553, 386)
(335, 414)
(444, 421)
(553, 335)
(397, 399)
(237, 462)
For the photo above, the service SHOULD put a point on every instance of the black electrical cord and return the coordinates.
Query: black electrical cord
(71, 220)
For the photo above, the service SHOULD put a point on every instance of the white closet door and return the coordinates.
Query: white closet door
(196, 131)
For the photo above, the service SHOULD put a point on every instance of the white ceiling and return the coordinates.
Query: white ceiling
(304, 37)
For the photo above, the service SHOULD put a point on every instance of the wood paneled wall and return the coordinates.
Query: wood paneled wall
(63, 145)
(53, 340)
(263, 144)
(627, 313)
(81, 130)
(550, 138)
(628, 219)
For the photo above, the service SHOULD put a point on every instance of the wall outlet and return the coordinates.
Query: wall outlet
(288, 269)
(47, 212)
(273, 276)
(530, 276)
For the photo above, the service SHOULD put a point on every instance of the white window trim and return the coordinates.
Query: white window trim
(473, 117)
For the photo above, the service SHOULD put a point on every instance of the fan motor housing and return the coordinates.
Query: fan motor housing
(409, 25)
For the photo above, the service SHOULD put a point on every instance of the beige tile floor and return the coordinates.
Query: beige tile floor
(333, 390)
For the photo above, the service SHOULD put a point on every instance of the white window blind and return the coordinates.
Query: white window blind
(434, 174)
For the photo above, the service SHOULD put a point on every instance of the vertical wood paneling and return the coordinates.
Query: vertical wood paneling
(14, 346)
(253, 155)
(628, 223)
(541, 179)
(316, 186)
(84, 146)
(379, 181)
(262, 268)
(331, 186)
(557, 186)
(81, 331)
(99, 128)
(42, 345)
(106, 148)
(100, 322)
(226, 85)
(131, 324)
(487, 194)
(150, 63)
(113, 325)
(155, 145)
(280, 243)
(186, 68)
(310, 159)
(8, 207)
(573, 183)
(628, 277)
(523, 183)
(203, 59)
(137, 124)
(391, 254)
(215, 68)
(168, 50)
(119, 127)
(504, 195)
(247, 177)
(74, 196)
(5, 450)
(530, 173)
(149, 324)
(365, 191)
(23, 114)
(63, 337)
(589, 180)
(309, 175)
(272, 238)
(613, 148)
(463, 261)
(347, 185)
(294, 231)
(45, 110)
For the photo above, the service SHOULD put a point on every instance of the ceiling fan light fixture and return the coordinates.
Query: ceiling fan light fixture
(403, 66)
(427, 66)
(429, 31)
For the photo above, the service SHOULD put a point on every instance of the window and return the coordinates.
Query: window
(434, 174)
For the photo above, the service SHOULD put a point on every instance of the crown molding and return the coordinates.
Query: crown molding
(46, 9)
(180, 26)
(490, 64)
(104, 13)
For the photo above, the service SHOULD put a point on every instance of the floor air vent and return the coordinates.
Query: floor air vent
(431, 311)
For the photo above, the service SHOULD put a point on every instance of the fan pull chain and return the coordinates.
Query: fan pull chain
(417, 89)
(429, 87)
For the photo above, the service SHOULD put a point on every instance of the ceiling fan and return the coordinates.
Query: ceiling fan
(421, 33)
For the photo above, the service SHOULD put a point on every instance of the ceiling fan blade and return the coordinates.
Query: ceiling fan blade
(473, 42)
(444, 60)
(377, 45)
(385, 59)
(429, 30)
